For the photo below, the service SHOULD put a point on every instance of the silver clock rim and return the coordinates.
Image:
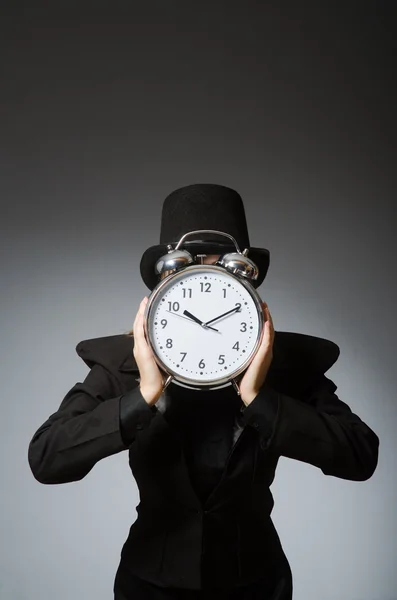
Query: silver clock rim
(190, 381)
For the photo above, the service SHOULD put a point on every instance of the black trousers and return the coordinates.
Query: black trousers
(130, 587)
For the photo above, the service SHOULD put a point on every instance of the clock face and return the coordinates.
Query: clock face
(191, 351)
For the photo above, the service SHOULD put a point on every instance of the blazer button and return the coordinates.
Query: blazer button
(139, 426)
(255, 424)
(264, 442)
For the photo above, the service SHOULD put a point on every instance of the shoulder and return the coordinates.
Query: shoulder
(303, 352)
(115, 352)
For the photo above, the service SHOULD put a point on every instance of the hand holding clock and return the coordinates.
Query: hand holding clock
(255, 375)
(152, 379)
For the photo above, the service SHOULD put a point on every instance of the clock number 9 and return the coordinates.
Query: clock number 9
(164, 322)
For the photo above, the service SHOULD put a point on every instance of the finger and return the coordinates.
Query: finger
(144, 346)
(269, 318)
(138, 324)
(269, 329)
(136, 319)
(268, 333)
(267, 314)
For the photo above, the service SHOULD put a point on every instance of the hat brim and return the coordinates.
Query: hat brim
(260, 256)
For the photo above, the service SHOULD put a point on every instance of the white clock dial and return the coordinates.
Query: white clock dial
(188, 349)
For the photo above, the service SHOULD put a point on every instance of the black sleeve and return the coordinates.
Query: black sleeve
(135, 414)
(85, 428)
(322, 430)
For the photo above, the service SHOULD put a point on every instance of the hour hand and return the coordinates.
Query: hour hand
(189, 314)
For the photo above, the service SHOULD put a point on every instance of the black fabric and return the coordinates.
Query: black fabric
(206, 206)
(135, 414)
(265, 420)
(206, 442)
(279, 586)
(229, 540)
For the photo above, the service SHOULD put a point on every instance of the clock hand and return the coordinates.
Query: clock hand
(189, 314)
(237, 308)
(178, 315)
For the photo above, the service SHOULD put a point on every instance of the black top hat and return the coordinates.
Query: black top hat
(203, 206)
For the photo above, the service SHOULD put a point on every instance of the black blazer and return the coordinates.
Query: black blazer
(229, 538)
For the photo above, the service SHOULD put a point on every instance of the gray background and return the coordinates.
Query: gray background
(105, 109)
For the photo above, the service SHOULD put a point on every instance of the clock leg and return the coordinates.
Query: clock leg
(167, 381)
(234, 382)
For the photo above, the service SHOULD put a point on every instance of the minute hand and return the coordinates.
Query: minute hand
(237, 308)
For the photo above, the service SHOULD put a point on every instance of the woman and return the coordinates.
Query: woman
(151, 386)
(204, 460)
